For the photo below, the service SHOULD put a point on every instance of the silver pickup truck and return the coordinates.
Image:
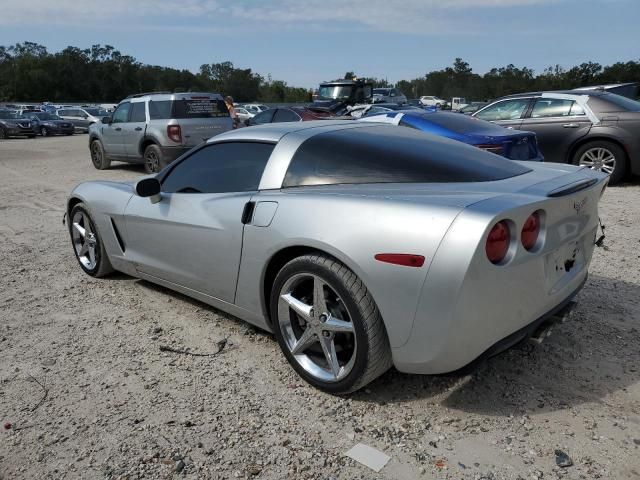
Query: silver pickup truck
(156, 128)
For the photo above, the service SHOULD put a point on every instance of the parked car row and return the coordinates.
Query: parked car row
(589, 128)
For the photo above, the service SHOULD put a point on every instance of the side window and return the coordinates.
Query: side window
(285, 115)
(576, 109)
(263, 117)
(160, 109)
(220, 168)
(137, 112)
(121, 114)
(504, 110)
(551, 107)
(63, 113)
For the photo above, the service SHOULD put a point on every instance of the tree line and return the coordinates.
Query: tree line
(28, 72)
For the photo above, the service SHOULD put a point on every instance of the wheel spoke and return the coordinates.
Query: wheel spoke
(87, 224)
(319, 300)
(92, 255)
(80, 230)
(84, 249)
(336, 325)
(329, 349)
(307, 339)
(608, 169)
(297, 306)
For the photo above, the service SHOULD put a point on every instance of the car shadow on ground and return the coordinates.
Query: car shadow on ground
(585, 359)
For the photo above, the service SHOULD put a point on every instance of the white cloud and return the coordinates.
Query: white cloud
(410, 16)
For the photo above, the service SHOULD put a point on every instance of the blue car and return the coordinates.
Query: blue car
(513, 144)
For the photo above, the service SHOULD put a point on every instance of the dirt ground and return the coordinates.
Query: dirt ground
(88, 394)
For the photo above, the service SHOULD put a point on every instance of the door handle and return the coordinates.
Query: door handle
(570, 125)
(137, 129)
(118, 129)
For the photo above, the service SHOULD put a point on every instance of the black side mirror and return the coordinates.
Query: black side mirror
(106, 120)
(149, 187)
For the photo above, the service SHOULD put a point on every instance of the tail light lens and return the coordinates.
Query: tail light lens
(498, 242)
(174, 133)
(531, 231)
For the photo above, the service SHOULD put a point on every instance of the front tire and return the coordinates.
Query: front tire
(87, 243)
(153, 161)
(44, 132)
(3, 134)
(603, 156)
(328, 325)
(98, 158)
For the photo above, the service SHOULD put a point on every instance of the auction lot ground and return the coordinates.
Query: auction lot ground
(117, 407)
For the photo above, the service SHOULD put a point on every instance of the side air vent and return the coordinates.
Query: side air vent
(118, 237)
(572, 188)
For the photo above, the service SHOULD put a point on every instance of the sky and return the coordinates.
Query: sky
(304, 42)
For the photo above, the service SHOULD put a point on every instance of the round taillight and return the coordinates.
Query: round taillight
(498, 242)
(530, 231)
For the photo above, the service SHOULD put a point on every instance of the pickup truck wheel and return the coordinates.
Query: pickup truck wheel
(603, 156)
(153, 159)
(328, 325)
(99, 159)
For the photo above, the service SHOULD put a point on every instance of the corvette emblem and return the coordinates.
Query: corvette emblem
(577, 206)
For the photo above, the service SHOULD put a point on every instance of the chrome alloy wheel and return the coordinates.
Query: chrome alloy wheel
(317, 327)
(84, 240)
(600, 159)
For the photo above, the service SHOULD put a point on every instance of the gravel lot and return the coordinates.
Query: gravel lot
(89, 395)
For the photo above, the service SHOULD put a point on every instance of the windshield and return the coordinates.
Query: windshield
(7, 114)
(335, 91)
(381, 91)
(96, 112)
(46, 116)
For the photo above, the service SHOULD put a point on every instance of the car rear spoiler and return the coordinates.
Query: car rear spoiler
(572, 187)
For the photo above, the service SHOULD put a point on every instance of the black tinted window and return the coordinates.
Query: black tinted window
(386, 154)
(285, 115)
(199, 108)
(160, 110)
(219, 168)
(137, 112)
(264, 117)
(121, 114)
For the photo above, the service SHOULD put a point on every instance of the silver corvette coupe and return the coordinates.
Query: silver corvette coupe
(359, 245)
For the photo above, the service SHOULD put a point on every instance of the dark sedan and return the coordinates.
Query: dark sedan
(289, 114)
(49, 124)
(12, 125)
(596, 129)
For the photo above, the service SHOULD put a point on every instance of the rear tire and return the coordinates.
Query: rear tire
(87, 243)
(153, 161)
(603, 156)
(343, 325)
(98, 158)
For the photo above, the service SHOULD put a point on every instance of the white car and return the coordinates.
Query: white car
(244, 114)
(255, 108)
(430, 101)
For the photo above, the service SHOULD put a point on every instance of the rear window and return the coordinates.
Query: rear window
(386, 154)
(622, 103)
(456, 122)
(187, 108)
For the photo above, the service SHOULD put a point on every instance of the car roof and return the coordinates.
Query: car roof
(595, 93)
(273, 132)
